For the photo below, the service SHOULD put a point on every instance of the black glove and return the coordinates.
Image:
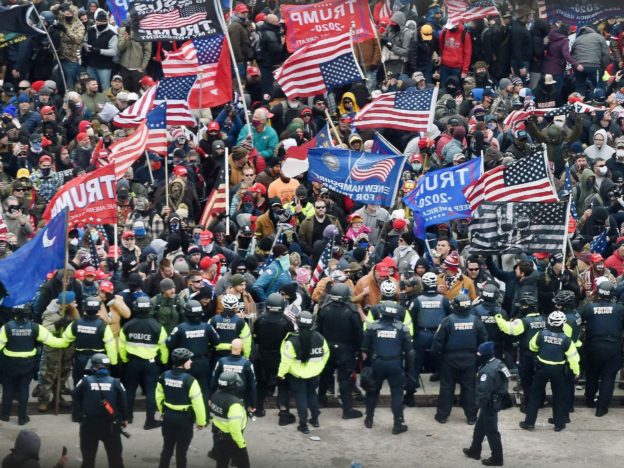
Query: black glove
(62, 323)
(61, 27)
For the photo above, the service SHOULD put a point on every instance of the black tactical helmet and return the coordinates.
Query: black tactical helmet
(92, 305)
(605, 289)
(527, 301)
(98, 361)
(142, 306)
(566, 299)
(180, 355)
(275, 303)
(462, 303)
(192, 309)
(230, 382)
(22, 311)
(305, 320)
(490, 292)
(388, 309)
(340, 292)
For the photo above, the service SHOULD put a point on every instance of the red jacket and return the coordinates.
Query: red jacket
(616, 262)
(455, 52)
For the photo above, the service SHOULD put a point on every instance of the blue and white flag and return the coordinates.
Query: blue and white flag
(383, 146)
(23, 272)
(364, 177)
(599, 244)
(439, 197)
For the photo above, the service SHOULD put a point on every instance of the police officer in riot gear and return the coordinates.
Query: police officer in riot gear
(268, 333)
(457, 339)
(238, 364)
(100, 406)
(554, 349)
(229, 420)
(229, 326)
(525, 329)
(388, 291)
(340, 324)
(387, 342)
(428, 311)
(604, 321)
(18, 344)
(492, 380)
(487, 310)
(90, 335)
(179, 399)
(141, 340)
(303, 356)
(200, 339)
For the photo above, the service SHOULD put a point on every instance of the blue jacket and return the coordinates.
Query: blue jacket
(270, 281)
(264, 142)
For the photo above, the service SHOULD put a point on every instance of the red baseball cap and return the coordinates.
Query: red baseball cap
(212, 126)
(382, 269)
(241, 8)
(83, 126)
(127, 234)
(82, 136)
(45, 158)
(253, 71)
(258, 188)
(46, 110)
(106, 286)
(180, 171)
(205, 237)
(147, 81)
(541, 255)
(206, 263)
(90, 271)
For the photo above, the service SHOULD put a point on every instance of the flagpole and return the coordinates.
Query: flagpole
(167, 180)
(352, 32)
(331, 124)
(383, 64)
(58, 60)
(116, 242)
(227, 192)
(149, 167)
(63, 290)
(231, 50)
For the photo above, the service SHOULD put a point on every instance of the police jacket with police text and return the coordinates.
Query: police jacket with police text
(244, 368)
(229, 416)
(340, 324)
(91, 393)
(492, 379)
(143, 338)
(177, 390)
(429, 309)
(229, 328)
(555, 348)
(487, 312)
(199, 338)
(400, 313)
(269, 331)
(387, 339)
(604, 321)
(91, 335)
(290, 357)
(525, 328)
(19, 339)
(458, 338)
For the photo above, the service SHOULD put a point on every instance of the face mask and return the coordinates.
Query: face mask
(69, 19)
(223, 270)
(36, 147)
(479, 118)
(156, 165)
(491, 125)
(292, 104)
(139, 232)
(101, 27)
(45, 171)
(73, 241)
(600, 267)
(481, 75)
(196, 239)
(559, 123)
(417, 167)
(602, 170)
(255, 122)
(284, 261)
(90, 131)
(181, 141)
(95, 236)
(619, 153)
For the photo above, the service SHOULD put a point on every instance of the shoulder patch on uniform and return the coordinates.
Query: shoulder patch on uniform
(505, 371)
(483, 377)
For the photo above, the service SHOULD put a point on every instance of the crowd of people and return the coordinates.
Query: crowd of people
(241, 293)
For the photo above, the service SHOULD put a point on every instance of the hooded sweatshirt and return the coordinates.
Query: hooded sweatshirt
(606, 152)
(25, 453)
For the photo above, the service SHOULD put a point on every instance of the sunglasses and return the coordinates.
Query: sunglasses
(320, 207)
(13, 207)
(241, 270)
(129, 238)
(249, 175)
(473, 269)
(19, 190)
(196, 281)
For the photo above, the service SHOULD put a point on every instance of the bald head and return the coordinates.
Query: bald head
(237, 346)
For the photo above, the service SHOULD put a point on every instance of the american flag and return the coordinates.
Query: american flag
(566, 191)
(318, 67)
(386, 10)
(412, 111)
(370, 166)
(524, 180)
(215, 205)
(175, 92)
(95, 259)
(157, 129)
(500, 227)
(460, 11)
(100, 154)
(137, 112)
(126, 151)
(521, 115)
(175, 18)
(209, 59)
(319, 271)
(599, 244)
(582, 108)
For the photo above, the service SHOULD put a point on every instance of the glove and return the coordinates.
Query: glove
(62, 323)
(61, 27)
(498, 316)
(96, 50)
(389, 45)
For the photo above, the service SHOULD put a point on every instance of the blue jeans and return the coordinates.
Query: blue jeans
(242, 70)
(72, 72)
(446, 72)
(102, 75)
(591, 74)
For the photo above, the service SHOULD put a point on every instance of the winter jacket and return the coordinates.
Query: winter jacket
(400, 38)
(557, 54)
(370, 54)
(463, 282)
(271, 45)
(590, 49)
(239, 36)
(71, 38)
(270, 281)
(133, 54)
(264, 142)
(456, 48)
(605, 152)
(497, 50)
(168, 312)
(25, 453)
(420, 54)
(104, 47)
(521, 43)
(538, 33)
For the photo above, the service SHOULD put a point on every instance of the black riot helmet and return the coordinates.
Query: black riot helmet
(605, 290)
(462, 304)
(230, 382)
(179, 356)
(97, 361)
(22, 312)
(193, 310)
(142, 307)
(340, 292)
(305, 320)
(490, 292)
(565, 299)
(275, 303)
(92, 305)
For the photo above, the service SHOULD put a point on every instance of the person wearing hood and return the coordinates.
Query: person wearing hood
(583, 190)
(496, 40)
(101, 47)
(454, 146)
(455, 47)
(272, 51)
(557, 137)
(600, 149)
(539, 31)
(558, 55)
(521, 44)
(616, 164)
(25, 452)
(591, 52)
(396, 44)
(348, 105)
(239, 37)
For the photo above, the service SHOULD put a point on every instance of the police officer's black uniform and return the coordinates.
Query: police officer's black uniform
(100, 406)
(268, 333)
(387, 342)
(457, 339)
(604, 321)
(244, 368)
(201, 339)
(340, 324)
(487, 311)
(492, 380)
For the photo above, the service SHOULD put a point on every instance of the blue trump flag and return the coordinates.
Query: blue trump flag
(438, 196)
(383, 146)
(364, 177)
(23, 271)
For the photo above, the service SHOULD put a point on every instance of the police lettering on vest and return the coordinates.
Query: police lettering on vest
(431, 311)
(603, 310)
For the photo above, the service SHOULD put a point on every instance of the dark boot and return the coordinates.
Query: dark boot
(151, 423)
(472, 453)
(408, 400)
(303, 428)
(601, 411)
(492, 462)
(398, 427)
(286, 418)
(368, 422)
(351, 414)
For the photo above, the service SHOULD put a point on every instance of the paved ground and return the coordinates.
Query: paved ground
(587, 441)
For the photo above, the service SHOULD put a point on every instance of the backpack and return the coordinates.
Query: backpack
(254, 41)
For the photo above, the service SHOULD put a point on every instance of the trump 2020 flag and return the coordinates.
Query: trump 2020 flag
(364, 177)
(22, 272)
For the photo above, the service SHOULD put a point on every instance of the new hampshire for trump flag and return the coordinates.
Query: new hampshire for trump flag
(365, 177)
(23, 271)
(507, 227)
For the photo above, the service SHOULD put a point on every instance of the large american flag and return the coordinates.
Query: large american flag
(500, 227)
(318, 67)
(215, 205)
(412, 111)
(460, 11)
(524, 180)
(319, 271)
(126, 151)
(520, 115)
(369, 166)
(174, 19)
(386, 9)
(209, 59)
(175, 92)
(157, 129)
(137, 112)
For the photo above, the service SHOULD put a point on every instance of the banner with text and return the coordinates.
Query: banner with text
(582, 12)
(310, 23)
